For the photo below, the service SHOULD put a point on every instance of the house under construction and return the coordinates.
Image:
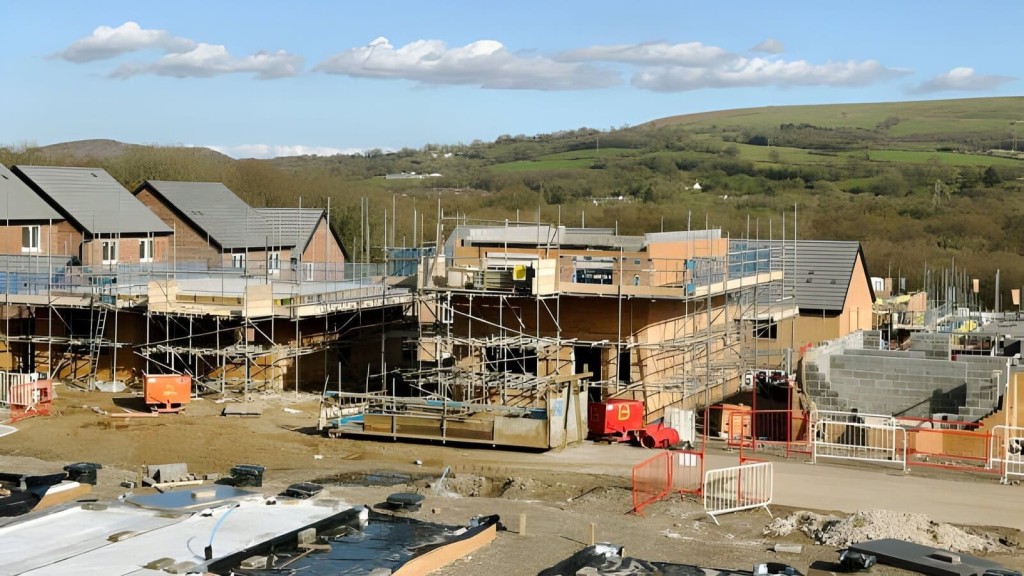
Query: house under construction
(521, 326)
(100, 285)
(501, 334)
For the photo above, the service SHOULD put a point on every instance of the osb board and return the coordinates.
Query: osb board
(444, 555)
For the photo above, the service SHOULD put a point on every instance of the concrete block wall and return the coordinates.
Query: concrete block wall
(872, 340)
(817, 357)
(986, 378)
(919, 382)
(909, 385)
(816, 367)
(934, 345)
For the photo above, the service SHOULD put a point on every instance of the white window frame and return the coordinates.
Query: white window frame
(33, 242)
(238, 260)
(273, 262)
(308, 271)
(146, 250)
(109, 251)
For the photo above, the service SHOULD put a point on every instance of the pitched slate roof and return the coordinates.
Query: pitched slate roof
(824, 270)
(18, 202)
(216, 212)
(291, 226)
(92, 200)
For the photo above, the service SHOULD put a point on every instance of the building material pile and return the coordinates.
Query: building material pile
(880, 524)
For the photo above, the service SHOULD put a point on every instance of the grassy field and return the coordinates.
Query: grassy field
(945, 158)
(571, 160)
(544, 164)
(785, 155)
(939, 119)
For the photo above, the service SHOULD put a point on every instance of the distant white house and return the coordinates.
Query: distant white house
(410, 176)
(696, 186)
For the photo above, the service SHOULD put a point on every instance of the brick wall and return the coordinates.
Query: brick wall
(187, 243)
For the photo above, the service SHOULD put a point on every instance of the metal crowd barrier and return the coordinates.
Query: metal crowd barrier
(743, 487)
(862, 437)
(1008, 452)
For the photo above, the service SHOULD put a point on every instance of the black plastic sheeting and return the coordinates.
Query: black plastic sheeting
(607, 560)
(385, 542)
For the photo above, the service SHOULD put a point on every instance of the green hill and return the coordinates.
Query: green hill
(916, 182)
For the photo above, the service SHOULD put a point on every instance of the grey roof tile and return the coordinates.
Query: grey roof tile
(824, 269)
(93, 200)
(217, 212)
(291, 226)
(18, 202)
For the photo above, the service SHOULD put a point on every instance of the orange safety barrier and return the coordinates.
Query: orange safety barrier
(788, 431)
(33, 398)
(652, 480)
(687, 472)
(671, 471)
(948, 444)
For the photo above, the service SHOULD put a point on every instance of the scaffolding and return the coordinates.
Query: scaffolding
(196, 320)
(490, 340)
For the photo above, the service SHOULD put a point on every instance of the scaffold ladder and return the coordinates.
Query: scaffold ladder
(95, 343)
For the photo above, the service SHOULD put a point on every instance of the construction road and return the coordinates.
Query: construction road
(828, 485)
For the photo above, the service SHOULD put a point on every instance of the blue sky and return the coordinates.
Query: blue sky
(279, 78)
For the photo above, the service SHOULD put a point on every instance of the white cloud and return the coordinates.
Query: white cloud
(106, 42)
(207, 60)
(182, 57)
(769, 46)
(961, 79)
(748, 72)
(275, 150)
(484, 63)
(653, 53)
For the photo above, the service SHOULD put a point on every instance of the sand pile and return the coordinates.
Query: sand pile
(878, 524)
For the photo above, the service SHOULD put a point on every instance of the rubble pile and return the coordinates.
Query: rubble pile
(878, 524)
(467, 485)
(519, 488)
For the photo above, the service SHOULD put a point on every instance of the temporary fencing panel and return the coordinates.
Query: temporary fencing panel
(652, 480)
(671, 471)
(742, 487)
(32, 398)
(948, 444)
(783, 431)
(863, 437)
(10, 379)
(687, 472)
(25, 395)
(1008, 450)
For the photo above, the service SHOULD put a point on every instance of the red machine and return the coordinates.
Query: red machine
(167, 392)
(623, 421)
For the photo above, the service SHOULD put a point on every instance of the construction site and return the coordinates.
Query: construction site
(500, 358)
(506, 330)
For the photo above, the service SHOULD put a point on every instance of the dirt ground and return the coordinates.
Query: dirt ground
(562, 498)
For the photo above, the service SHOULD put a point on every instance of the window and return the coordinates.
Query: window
(110, 251)
(30, 238)
(273, 262)
(308, 269)
(238, 260)
(766, 329)
(593, 276)
(146, 250)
